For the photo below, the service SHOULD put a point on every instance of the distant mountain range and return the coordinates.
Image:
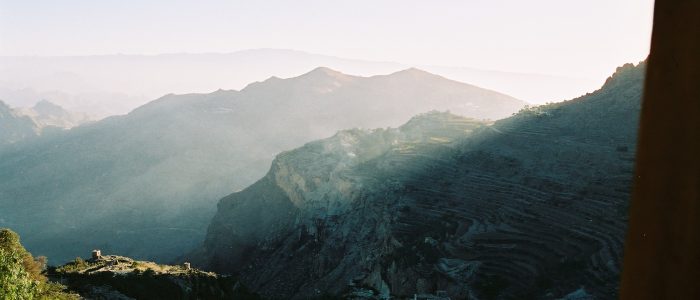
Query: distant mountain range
(21, 124)
(116, 84)
(146, 184)
(47, 114)
(15, 127)
(531, 207)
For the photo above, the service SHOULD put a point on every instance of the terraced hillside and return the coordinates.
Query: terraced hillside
(533, 206)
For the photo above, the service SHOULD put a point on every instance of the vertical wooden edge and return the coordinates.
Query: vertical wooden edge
(662, 250)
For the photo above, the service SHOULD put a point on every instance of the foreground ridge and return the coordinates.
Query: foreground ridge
(120, 277)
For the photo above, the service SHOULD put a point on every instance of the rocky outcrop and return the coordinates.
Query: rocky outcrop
(120, 277)
(533, 206)
(318, 182)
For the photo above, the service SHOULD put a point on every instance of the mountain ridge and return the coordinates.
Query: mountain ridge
(48, 114)
(100, 94)
(15, 127)
(152, 177)
(481, 216)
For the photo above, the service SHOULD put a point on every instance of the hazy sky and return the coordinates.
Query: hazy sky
(564, 37)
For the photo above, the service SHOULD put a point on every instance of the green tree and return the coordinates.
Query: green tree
(15, 282)
(21, 275)
(9, 241)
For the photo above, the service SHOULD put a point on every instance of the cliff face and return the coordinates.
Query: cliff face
(319, 182)
(531, 206)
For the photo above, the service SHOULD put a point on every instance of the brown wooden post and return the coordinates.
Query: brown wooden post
(662, 250)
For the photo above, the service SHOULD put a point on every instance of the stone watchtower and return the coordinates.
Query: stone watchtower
(96, 254)
(187, 266)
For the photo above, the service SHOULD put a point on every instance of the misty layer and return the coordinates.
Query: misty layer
(145, 184)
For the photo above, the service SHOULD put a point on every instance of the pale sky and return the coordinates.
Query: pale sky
(560, 37)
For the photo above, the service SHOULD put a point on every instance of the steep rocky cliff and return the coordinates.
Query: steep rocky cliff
(321, 181)
(533, 206)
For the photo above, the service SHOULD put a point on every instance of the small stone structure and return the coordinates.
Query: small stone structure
(187, 266)
(439, 295)
(96, 254)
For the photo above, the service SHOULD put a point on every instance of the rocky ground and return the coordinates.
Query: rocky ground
(118, 277)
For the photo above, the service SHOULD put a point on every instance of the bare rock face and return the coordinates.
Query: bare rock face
(533, 206)
(320, 183)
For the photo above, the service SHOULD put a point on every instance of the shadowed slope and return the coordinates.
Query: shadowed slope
(533, 206)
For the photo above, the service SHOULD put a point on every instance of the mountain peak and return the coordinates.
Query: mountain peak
(412, 72)
(323, 72)
(627, 70)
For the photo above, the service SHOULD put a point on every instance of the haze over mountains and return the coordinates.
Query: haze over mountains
(146, 184)
(15, 127)
(48, 114)
(21, 124)
(424, 150)
(116, 84)
(531, 207)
